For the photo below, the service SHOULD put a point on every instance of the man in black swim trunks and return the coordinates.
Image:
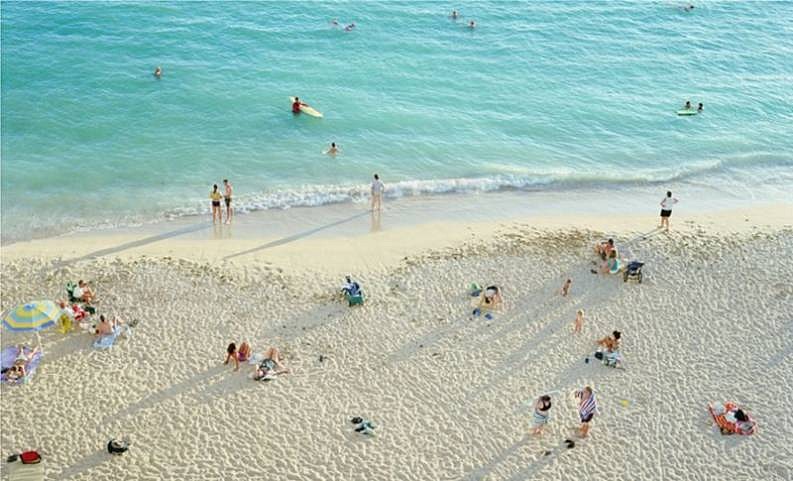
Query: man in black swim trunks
(227, 197)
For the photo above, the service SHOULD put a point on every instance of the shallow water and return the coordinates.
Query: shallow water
(538, 96)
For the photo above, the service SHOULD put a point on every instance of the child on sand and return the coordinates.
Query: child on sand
(231, 355)
(579, 321)
(566, 287)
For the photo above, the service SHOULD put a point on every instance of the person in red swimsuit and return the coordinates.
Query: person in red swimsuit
(296, 105)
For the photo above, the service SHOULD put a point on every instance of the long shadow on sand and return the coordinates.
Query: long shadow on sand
(137, 243)
(294, 237)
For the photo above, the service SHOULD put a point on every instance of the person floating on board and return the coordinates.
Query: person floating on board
(296, 105)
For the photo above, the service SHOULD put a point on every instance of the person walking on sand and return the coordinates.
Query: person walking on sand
(579, 321)
(215, 196)
(586, 409)
(227, 197)
(377, 193)
(666, 209)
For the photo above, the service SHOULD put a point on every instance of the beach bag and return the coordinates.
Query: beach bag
(30, 457)
(117, 447)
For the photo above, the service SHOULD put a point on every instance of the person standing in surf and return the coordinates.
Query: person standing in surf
(215, 196)
(666, 209)
(227, 197)
(377, 193)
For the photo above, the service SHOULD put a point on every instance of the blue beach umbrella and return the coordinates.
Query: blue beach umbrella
(32, 316)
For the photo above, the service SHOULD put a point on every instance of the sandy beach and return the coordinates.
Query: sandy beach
(450, 393)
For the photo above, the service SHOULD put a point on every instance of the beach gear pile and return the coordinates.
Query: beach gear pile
(363, 426)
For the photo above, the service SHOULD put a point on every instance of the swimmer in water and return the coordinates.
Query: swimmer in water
(471, 24)
(700, 107)
(334, 22)
(455, 14)
(688, 105)
(158, 72)
(296, 105)
(349, 27)
(688, 8)
(333, 150)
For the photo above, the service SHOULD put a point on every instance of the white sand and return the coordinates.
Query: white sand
(449, 393)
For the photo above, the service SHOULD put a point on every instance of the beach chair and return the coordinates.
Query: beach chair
(65, 324)
(633, 271)
(721, 416)
(354, 299)
(9, 356)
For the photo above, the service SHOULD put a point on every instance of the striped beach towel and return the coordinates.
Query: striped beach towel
(587, 409)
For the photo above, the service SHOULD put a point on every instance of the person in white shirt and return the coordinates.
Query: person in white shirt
(666, 210)
(377, 193)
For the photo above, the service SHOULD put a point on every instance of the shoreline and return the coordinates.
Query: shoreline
(404, 226)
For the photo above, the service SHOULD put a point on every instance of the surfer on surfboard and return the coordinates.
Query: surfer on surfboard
(296, 105)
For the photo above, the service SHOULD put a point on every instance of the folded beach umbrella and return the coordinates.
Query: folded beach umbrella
(32, 316)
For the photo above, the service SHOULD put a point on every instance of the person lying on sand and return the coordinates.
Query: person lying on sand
(579, 321)
(270, 366)
(610, 343)
(17, 370)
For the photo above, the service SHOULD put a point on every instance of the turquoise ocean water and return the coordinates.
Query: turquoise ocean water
(541, 95)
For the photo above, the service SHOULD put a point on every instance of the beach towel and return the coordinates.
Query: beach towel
(722, 416)
(107, 341)
(588, 408)
(17, 471)
(9, 356)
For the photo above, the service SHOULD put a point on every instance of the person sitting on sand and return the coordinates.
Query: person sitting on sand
(491, 297)
(542, 414)
(270, 366)
(611, 265)
(231, 355)
(83, 292)
(350, 287)
(104, 327)
(604, 248)
(244, 352)
(610, 343)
